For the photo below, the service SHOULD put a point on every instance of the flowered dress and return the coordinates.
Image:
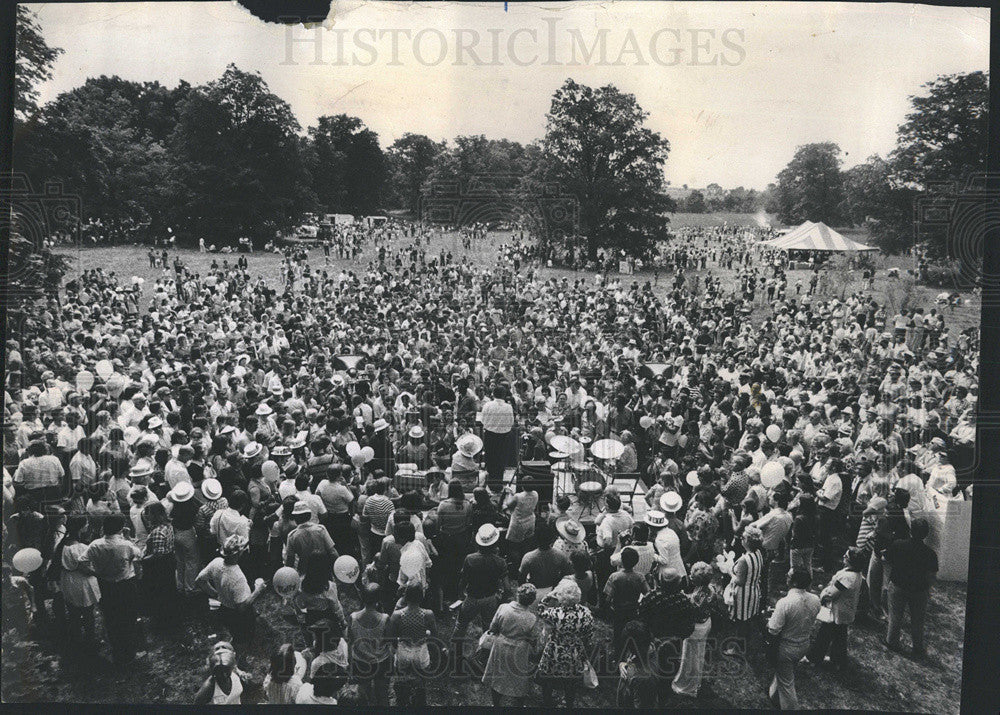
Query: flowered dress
(702, 528)
(567, 650)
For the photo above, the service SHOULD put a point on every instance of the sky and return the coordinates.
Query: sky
(734, 87)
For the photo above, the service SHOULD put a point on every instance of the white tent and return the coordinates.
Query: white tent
(814, 237)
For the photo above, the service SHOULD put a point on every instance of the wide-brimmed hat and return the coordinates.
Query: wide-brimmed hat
(251, 450)
(571, 530)
(211, 488)
(671, 502)
(263, 409)
(181, 492)
(656, 518)
(469, 444)
(142, 469)
(380, 424)
(416, 432)
(154, 422)
(487, 535)
(281, 450)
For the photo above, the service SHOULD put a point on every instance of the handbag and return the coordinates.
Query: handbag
(589, 676)
(486, 641)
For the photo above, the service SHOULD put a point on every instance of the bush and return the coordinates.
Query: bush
(946, 274)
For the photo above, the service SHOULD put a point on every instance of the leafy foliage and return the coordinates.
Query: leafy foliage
(347, 165)
(597, 148)
(33, 64)
(410, 160)
(810, 188)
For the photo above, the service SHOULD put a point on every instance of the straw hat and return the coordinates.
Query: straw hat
(251, 450)
(181, 492)
(656, 518)
(487, 535)
(469, 444)
(671, 502)
(212, 489)
(571, 530)
(380, 424)
(416, 432)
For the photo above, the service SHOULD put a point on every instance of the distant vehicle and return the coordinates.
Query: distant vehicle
(374, 221)
(339, 219)
(307, 231)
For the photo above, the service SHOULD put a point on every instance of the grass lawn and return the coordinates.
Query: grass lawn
(128, 261)
(172, 669)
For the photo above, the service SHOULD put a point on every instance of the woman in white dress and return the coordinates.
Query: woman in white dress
(224, 685)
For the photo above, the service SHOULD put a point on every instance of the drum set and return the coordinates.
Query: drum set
(576, 474)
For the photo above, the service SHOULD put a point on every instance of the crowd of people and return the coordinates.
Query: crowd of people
(371, 433)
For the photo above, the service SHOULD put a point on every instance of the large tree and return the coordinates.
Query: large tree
(598, 149)
(238, 166)
(32, 270)
(347, 165)
(811, 186)
(873, 200)
(944, 138)
(33, 63)
(481, 180)
(104, 141)
(410, 159)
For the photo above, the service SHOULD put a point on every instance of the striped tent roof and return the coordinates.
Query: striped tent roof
(815, 237)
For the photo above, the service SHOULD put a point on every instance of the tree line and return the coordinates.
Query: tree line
(229, 159)
(940, 146)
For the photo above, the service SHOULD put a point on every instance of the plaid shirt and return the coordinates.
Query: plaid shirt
(160, 541)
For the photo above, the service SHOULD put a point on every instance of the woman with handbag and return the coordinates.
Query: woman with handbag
(515, 633)
(564, 662)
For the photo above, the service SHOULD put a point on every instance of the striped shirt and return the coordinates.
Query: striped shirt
(377, 509)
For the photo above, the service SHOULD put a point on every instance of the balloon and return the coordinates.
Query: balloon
(270, 470)
(772, 474)
(286, 582)
(368, 453)
(773, 432)
(27, 560)
(692, 478)
(411, 563)
(84, 380)
(353, 449)
(104, 369)
(346, 569)
(358, 460)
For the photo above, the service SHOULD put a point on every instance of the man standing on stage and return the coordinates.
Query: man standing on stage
(498, 437)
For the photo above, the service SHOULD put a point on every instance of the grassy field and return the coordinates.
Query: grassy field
(171, 669)
(128, 261)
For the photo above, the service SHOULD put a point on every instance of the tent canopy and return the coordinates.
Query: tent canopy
(814, 237)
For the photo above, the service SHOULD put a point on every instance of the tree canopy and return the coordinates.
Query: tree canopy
(810, 188)
(598, 149)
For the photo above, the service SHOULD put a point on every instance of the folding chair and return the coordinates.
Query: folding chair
(627, 486)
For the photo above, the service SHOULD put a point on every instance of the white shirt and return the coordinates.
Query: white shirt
(498, 417)
(668, 546)
(175, 472)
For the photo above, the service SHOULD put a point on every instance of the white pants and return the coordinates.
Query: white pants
(688, 678)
